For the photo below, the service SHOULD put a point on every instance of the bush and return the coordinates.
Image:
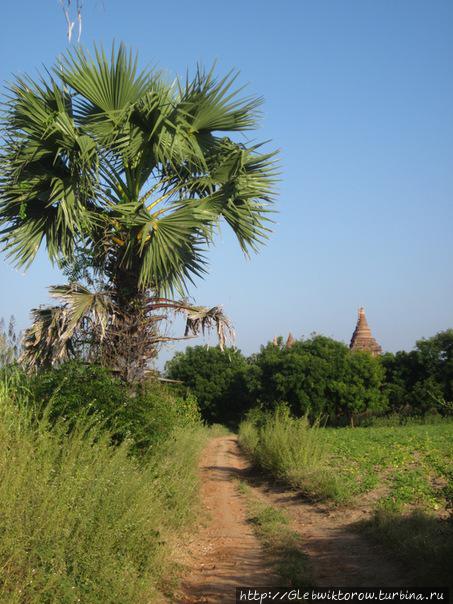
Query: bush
(290, 449)
(217, 379)
(81, 520)
(146, 415)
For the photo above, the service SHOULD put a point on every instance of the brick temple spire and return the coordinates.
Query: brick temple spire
(290, 341)
(362, 338)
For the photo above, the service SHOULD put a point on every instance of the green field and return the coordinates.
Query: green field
(405, 467)
(410, 465)
(402, 475)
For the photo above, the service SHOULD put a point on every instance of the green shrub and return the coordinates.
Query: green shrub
(81, 520)
(290, 449)
(217, 379)
(146, 415)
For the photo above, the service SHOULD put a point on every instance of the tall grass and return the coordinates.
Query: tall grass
(420, 540)
(290, 449)
(82, 521)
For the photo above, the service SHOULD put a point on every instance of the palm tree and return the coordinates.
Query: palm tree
(124, 178)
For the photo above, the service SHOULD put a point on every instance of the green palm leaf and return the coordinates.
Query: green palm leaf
(104, 159)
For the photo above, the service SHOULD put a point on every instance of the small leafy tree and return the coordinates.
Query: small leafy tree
(217, 379)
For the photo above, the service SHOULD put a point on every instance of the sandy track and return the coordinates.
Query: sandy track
(339, 555)
(225, 553)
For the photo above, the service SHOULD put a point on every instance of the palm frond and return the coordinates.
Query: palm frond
(132, 172)
(202, 319)
(83, 304)
(107, 88)
(48, 177)
(55, 332)
(208, 104)
(46, 342)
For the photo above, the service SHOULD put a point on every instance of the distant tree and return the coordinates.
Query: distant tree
(363, 393)
(320, 376)
(216, 378)
(421, 380)
(9, 342)
(436, 359)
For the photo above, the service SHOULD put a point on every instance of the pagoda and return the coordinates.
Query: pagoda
(362, 338)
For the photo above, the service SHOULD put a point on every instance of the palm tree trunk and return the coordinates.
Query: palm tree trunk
(130, 345)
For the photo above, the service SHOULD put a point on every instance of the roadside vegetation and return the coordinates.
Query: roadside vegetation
(145, 416)
(290, 449)
(420, 540)
(403, 475)
(283, 545)
(83, 519)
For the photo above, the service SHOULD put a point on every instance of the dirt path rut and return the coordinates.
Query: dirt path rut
(339, 555)
(225, 553)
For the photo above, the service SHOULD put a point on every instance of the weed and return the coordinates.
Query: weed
(283, 544)
(291, 449)
(81, 520)
(420, 540)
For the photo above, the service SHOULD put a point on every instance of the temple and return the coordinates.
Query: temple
(362, 338)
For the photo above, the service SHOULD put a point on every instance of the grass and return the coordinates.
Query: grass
(283, 545)
(420, 540)
(217, 430)
(291, 450)
(82, 521)
(404, 473)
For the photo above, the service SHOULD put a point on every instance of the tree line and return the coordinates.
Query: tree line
(322, 377)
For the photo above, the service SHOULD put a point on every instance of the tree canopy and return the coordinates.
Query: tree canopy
(318, 376)
(125, 178)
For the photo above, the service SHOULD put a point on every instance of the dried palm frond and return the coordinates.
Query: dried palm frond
(203, 319)
(58, 332)
(47, 341)
(92, 326)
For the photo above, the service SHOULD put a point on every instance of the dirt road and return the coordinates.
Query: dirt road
(339, 555)
(225, 553)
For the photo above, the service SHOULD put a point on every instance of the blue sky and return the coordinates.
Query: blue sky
(359, 98)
